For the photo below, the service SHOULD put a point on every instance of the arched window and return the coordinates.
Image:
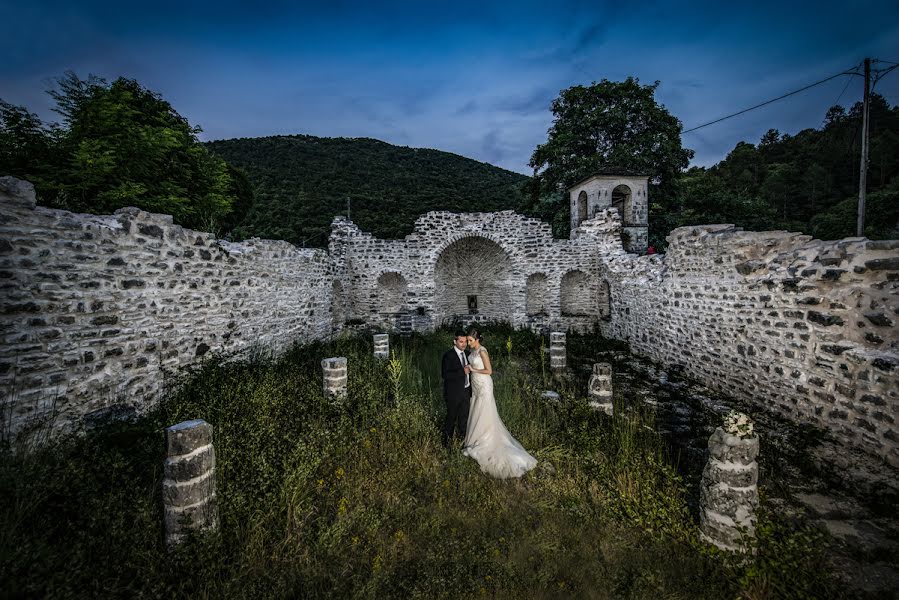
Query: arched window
(581, 207)
(536, 295)
(621, 201)
(391, 293)
(577, 295)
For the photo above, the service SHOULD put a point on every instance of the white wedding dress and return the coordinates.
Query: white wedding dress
(487, 440)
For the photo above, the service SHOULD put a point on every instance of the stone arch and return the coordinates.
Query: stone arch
(582, 207)
(576, 296)
(536, 295)
(622, 201)
(473, 267)
(392, 290)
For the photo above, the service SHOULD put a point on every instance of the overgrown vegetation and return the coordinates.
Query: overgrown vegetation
(356, 497)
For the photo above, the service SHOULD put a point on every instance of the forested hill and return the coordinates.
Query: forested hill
(302, 182)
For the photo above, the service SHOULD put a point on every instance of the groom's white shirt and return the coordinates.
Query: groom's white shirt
(464, 361)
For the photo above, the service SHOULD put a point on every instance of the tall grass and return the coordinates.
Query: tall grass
(356, 497)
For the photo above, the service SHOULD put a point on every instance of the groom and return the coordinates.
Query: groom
(456, 388)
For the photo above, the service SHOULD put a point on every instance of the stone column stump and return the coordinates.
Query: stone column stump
(334, 371)
(599, 388)
(382, 345)
(188, 486)
(557, 360)
(729, 492)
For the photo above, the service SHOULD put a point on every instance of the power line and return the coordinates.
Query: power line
(845, 87)
(793, 93)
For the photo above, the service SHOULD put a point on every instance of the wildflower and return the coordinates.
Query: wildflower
(738, 424)
(367, 443)
(446, 483)
(509, 345)
(339, 472)
(488, 578)
(399, 535)
(355, 540)
(373, 430)
(341, 508)
(321, 483)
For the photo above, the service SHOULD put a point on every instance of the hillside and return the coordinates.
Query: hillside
(301, 182)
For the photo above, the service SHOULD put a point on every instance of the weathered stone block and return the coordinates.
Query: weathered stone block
(189, 466)
(382, 345)
(187, 436)
(727, 448)
(334, 376)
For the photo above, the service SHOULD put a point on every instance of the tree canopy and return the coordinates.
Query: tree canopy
(609, 125)
(804, 182)
(120, 144)
(302, 182)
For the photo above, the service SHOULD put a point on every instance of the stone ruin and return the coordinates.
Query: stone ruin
(96, 309)
(599, 388)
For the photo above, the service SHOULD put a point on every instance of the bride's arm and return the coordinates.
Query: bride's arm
(488, 368)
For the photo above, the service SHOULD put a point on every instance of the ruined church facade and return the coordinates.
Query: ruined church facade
(96, 310)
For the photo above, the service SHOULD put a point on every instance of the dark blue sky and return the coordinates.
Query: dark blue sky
(475, 78)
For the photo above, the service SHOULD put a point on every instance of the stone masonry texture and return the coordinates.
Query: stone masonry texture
(803, 327)
(95, 309)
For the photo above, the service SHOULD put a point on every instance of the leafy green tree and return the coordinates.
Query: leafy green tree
(612, 125)
(120, 144)
(28, 147)
(881, 216)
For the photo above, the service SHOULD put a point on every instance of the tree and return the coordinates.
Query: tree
(612, 125)
(120, 145)
(27, 145)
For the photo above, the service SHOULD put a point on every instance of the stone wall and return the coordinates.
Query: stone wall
(95, 309)
(492, 256)
(803, 327)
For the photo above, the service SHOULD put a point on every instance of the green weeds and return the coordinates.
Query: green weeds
(356, 497)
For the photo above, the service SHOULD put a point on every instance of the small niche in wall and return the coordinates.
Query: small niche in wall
(472, 305)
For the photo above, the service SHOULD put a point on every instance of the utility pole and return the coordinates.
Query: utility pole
(863, 169)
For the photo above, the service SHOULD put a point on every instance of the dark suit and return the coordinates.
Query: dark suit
(456, 395)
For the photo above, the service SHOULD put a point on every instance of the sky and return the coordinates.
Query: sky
(473, 78)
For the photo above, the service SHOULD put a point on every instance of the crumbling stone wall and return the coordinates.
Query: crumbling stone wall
(94, 309)
(804, 327)
(493, 256)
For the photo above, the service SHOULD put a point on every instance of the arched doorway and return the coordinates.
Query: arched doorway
(473, 276)
(621, 201)
(581, 207)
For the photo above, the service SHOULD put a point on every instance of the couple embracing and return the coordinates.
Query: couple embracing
(471, 410)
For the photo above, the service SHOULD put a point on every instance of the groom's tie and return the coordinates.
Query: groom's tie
(465, 364)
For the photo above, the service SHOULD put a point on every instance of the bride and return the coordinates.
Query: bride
(487, 440)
